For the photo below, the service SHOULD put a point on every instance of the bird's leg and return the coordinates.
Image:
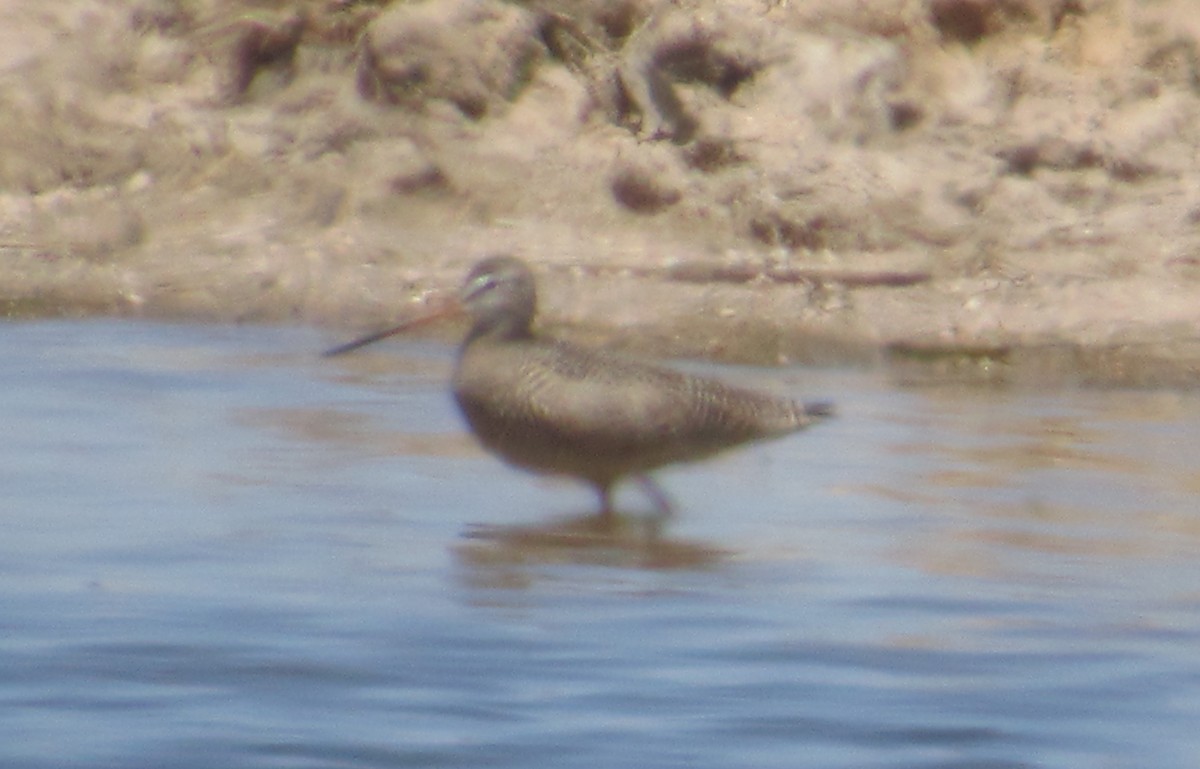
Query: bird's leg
(606, 506)
(662, 505)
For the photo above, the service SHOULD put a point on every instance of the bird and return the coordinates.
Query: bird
(557, 408)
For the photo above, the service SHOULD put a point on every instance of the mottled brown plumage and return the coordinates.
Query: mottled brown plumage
(553, 407)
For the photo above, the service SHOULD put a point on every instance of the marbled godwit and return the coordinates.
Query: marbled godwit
(554, 407)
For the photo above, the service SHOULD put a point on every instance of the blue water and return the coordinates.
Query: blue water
(219, 550)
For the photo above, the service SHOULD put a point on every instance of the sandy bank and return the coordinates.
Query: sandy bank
(982, 189)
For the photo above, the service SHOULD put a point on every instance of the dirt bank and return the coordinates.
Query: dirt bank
(984, 189)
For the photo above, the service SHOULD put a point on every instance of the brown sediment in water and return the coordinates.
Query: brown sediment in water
(985, 190)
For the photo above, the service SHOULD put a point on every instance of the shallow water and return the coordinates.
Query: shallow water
(221, 550)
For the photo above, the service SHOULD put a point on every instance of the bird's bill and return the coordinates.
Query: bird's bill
(442, 310)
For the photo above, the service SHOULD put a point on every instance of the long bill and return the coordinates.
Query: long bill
(444, 309)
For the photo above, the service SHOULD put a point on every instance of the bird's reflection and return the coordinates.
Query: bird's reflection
(499, 555)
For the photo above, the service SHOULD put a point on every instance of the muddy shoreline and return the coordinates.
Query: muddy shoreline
(960, 190)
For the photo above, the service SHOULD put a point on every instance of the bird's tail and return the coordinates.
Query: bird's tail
(816, 410)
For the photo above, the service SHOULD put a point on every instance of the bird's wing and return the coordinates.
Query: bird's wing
(621, 400)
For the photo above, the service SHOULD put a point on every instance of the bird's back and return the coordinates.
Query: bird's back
(554, 407)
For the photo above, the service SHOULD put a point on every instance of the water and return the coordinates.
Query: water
(218, 550)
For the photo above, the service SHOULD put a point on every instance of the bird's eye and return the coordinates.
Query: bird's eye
(480, 286)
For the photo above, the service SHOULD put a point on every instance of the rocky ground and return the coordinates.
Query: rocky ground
(998, 190)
